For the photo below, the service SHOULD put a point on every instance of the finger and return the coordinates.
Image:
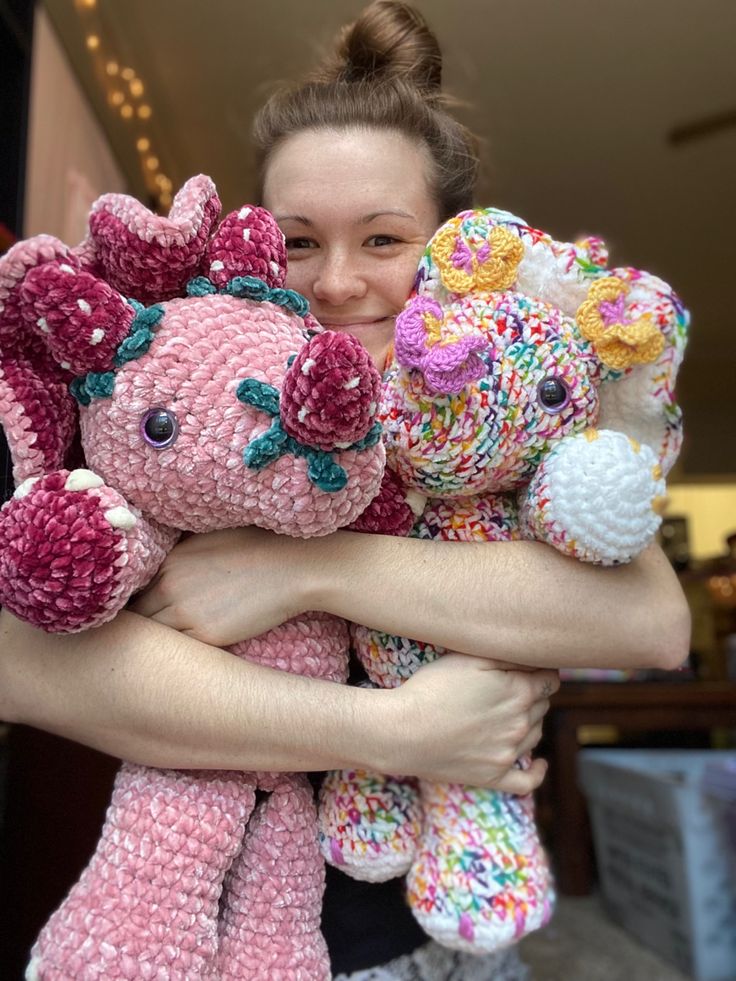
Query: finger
(521, 782)
(538, 711)
(169, 616)
(531, 740)
(547, 683)
(148, 602)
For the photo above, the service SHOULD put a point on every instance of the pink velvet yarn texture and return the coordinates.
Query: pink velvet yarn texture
(147, 256)
(183, 414)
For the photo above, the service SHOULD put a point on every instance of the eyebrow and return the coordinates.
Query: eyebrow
(300, 218)
(365, 220)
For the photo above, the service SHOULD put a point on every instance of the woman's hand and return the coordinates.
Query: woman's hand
(462, 720)
(227, 586)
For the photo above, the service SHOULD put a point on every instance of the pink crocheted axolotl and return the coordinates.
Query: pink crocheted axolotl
(531, 396)
(218, 408)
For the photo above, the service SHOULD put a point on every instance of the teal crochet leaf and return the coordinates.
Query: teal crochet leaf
(200, 286)
(324, 473)
(370, 439)
(260, 394)
(79, 391)
(267, 447)
(248, 288)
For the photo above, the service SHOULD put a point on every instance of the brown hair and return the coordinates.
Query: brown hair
(385, 73)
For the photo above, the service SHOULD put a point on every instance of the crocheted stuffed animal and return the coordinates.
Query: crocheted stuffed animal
(218, 408)
(530, 396)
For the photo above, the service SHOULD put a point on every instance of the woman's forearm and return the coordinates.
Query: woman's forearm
(515, 601)
(141, 691)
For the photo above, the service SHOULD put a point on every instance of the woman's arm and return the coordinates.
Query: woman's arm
(141, 691)
(521, 602)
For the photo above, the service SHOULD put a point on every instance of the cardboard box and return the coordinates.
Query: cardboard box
(663, 854)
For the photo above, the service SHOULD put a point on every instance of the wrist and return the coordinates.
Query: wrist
(323, 572)
(377, 737)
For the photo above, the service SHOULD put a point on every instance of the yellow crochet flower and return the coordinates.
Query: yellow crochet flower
(619, 343)
(489, 264)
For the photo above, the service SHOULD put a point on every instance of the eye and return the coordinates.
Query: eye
(159, 428)
(300, 243)
(553, 394)
(376, 241)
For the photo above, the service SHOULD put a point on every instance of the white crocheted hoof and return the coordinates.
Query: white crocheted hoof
(369, 824)
(597, 496)
(481, 880)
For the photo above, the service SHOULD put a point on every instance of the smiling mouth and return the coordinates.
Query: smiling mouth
(353, 324)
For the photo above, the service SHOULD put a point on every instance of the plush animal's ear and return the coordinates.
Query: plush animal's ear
(638, 328)
(247, 243)
(146, 256)
(36, 410)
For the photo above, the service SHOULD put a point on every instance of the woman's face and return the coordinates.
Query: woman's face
(356, 210)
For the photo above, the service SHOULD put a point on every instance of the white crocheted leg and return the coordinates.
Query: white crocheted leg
(272, 898)
(596, 496)
(369, 823)
(481, 880)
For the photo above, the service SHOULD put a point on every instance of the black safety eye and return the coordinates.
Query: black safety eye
(553, 394)
(159, 428)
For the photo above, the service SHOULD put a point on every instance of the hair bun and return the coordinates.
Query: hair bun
(390, 39)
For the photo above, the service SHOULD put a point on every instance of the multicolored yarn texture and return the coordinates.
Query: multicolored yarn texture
(531, 395)
(206, 398)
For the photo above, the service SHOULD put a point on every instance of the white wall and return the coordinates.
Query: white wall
(69, 161)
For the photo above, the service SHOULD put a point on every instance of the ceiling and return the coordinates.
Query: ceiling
(575, 101)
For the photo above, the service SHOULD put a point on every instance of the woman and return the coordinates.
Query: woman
(359, 165)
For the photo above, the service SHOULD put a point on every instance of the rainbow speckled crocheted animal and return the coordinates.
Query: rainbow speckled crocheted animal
(530, 396)
(209, 401)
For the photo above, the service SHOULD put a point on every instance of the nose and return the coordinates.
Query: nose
(338, 280)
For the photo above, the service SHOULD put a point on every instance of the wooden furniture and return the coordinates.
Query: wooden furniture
(675, 708)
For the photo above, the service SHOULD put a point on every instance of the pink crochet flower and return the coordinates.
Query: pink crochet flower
(448, 361)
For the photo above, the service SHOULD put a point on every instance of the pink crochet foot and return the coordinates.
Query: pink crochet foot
(481, 880)
(269, 927)
(369, 824)
(72, 551)
(146, 907)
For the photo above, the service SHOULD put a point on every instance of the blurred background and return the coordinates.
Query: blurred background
(614, 119)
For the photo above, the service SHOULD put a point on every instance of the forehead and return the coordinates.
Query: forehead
(322, 174)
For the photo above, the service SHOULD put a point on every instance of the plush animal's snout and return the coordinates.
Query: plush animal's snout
(329, 397)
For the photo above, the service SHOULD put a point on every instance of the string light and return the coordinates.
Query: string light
(118, 99)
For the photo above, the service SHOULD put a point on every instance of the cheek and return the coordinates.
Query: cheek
(299, 277)
(398, 281)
